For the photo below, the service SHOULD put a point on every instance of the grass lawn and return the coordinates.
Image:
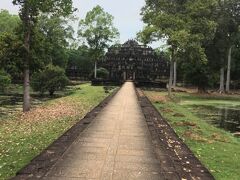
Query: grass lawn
(218, 150)
(23, 136)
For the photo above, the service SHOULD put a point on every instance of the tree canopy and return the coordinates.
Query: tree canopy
(29, 13)
(192, 28)
(8, 22)
(98, 31)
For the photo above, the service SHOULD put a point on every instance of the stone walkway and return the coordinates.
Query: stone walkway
(116, 145)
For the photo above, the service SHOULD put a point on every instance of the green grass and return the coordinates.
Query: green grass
(23, 136)
(218, 150)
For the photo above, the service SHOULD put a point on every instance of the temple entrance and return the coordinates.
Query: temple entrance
(130, 75)
(135, 62)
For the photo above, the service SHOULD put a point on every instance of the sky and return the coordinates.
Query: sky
(127, 18)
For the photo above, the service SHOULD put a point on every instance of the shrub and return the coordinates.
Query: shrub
(51, 79)
(5, 80)
(102, 73)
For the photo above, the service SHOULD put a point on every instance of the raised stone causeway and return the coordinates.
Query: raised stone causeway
(123, 141)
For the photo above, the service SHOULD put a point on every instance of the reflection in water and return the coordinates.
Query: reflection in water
(230, 119)
(223, 117)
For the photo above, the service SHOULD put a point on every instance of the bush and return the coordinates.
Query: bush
(51, 79)
(102, 73)
(5, 80)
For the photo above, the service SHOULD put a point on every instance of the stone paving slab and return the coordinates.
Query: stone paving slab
(41, 164)
(177, 158)
(116, 145)
(121, 142)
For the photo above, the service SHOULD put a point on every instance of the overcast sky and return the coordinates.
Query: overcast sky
(126, 13)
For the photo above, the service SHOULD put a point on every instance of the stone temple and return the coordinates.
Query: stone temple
(132, 61)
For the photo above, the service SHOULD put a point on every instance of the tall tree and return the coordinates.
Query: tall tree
(227, 17)
(11, 52)
(98, 32)
(185, 24)
(28, 13)
(8, 22)
(202, 28)
(232, 20)
(80, 62)
(163, 20)
(10, 44)
(55, 34)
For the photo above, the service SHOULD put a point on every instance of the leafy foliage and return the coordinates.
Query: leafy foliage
(79, 60)
(29, 13)
(199, 33)
(186, 26)
(54, 34)
(97, 31)
(8, 22)
(51, 79)
(102, 73)
(11, 48)
(11, 51)
(5, 80)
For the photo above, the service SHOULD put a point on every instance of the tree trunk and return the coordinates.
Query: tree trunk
(171, 75)
(201, 89)
(229, 70)
(175, 74)
(26, 93)
(26, 84)
(95, 70)
(221, 89)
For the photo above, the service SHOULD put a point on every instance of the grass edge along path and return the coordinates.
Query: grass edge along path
(26, 135)
(217, 149)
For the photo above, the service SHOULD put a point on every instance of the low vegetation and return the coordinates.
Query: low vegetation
(102, 73)
(51, 79)
(5, 80)
(215, 147)
(24, 135)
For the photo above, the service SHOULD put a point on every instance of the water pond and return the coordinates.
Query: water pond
(225, 117)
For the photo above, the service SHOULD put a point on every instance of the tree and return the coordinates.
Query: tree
(28, 13)
(80, 62)
(5, 80)
(103, 73)
(195, 68)
(202, 28)
(55, 33)
(8, 22)
(10, 44)
(163, 21)
(235, 68)
(187, 26)
(230, 16)
(98, 32)
(51, 79)
(227, 17)
(11, 51)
